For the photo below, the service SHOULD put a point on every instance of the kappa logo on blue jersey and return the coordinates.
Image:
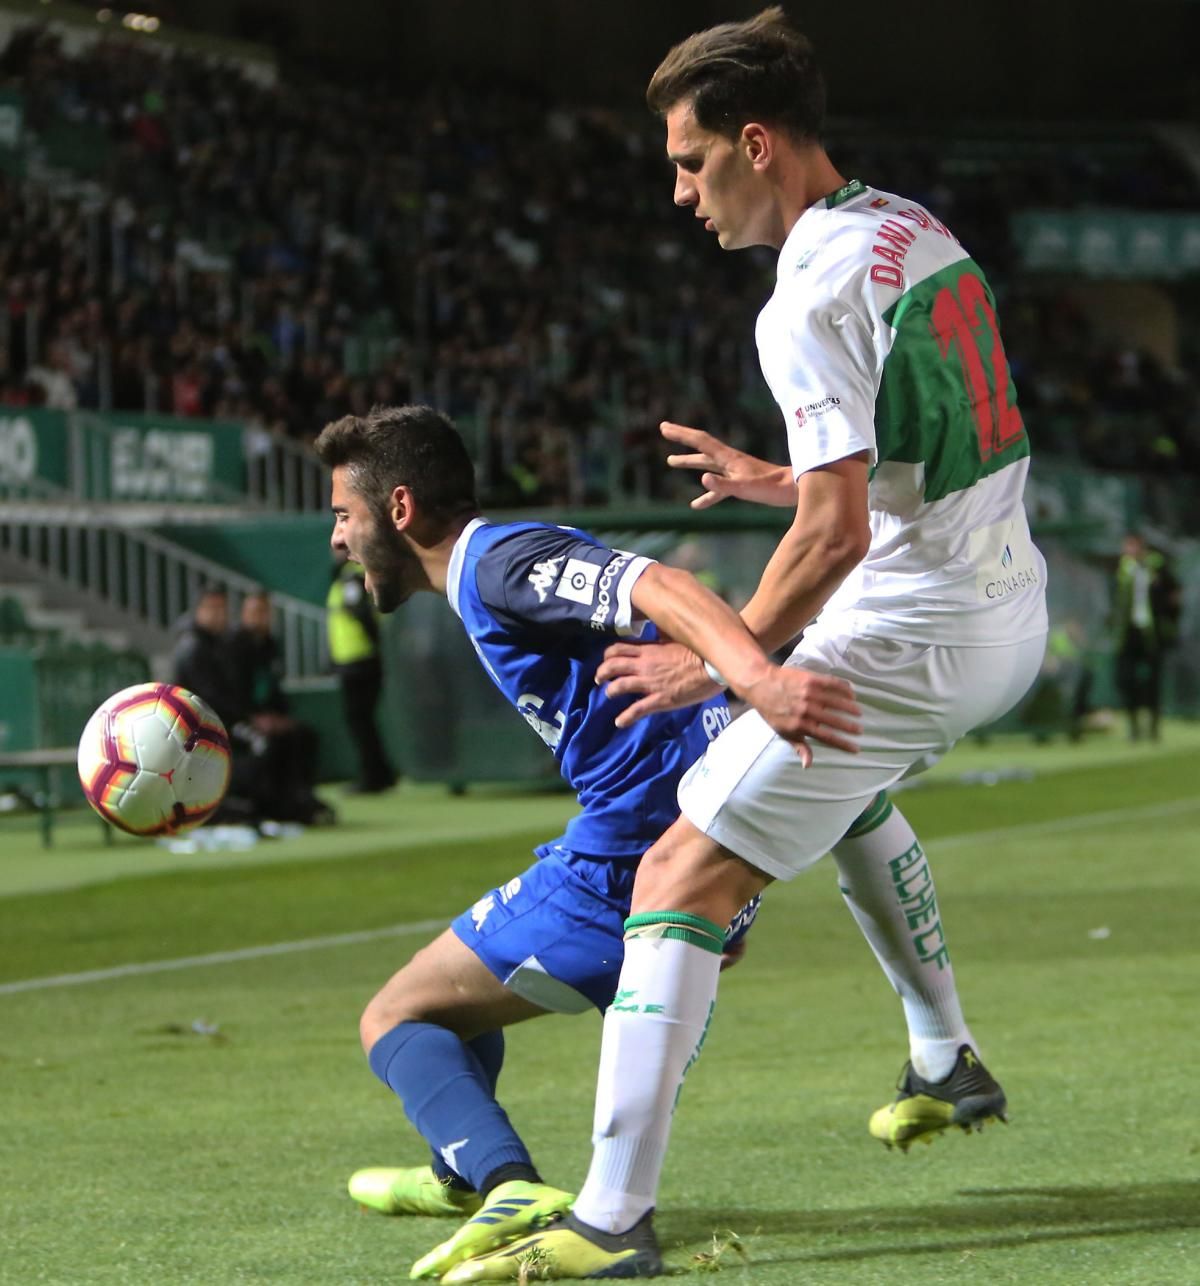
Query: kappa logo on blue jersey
(543, 575)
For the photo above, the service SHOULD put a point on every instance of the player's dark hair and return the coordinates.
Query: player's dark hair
(761, 70)
(409, 446)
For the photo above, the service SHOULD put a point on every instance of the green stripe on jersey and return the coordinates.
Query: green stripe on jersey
(946, 397)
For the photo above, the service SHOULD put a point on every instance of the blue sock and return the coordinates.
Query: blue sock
(449, 1097)
(489, 1049)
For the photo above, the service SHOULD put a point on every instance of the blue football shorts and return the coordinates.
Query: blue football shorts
(555, 933)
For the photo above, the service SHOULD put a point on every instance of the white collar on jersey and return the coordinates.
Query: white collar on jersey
(799, 239)
(458, 556)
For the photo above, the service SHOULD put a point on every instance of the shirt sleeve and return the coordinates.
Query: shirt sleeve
(560, 580)
(823, 376)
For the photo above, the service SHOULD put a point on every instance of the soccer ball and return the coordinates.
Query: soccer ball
(154, 760)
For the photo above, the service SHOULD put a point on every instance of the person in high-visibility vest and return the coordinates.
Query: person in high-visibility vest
(353, 632)
(1146, 612)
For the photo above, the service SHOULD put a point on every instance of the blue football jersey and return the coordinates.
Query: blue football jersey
(540, 605)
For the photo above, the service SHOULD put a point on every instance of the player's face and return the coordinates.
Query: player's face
(717, 177)
(392, 570)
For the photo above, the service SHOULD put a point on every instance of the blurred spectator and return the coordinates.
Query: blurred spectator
(1062, 696)
(1147, 609)
(202, 663)
(284, 748)
(353, 632)
(54, 378)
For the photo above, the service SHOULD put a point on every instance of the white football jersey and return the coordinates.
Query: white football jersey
(881, 337)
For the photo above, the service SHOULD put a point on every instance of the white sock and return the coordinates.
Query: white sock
(653, 1032)
(888, 887)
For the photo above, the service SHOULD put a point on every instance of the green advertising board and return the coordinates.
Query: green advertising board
(164, 457)
(33, 450)
(120, 456)
(1108, 243)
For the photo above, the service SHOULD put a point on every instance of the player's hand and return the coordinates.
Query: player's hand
(803, 706)
(726, 471)
(667, 676)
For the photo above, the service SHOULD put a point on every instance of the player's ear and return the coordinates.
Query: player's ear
(401, 509)
(758, 144)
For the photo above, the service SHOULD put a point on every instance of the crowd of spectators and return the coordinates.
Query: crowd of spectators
(1109, 404)
(284, 254)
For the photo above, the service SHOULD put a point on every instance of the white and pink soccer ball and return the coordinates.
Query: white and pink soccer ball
(154, 760)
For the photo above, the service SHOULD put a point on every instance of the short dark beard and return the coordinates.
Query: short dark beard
(393, 568)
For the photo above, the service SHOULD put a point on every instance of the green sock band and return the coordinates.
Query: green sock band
(677, 926)
(873, 816)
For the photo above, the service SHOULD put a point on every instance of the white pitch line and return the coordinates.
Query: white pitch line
(1054, 826)
(219, 957)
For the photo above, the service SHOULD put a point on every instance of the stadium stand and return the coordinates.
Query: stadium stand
(185, 236)
(281, 256)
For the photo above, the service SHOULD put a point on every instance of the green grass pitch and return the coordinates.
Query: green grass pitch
(138, 1148)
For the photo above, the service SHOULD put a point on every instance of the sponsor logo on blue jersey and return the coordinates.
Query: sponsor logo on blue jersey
(578, 582)
(531, 707)
(601, 618)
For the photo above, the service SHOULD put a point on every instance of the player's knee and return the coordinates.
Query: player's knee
(372, 1025)
(695, 875)
(661, 879)
(387, 1009)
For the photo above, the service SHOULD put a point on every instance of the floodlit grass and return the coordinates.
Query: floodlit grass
(198, 1125)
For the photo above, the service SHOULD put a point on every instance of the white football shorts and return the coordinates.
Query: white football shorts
(750, 792)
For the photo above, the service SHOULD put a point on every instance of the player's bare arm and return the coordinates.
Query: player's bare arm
(725, 471)
(796, 703)
(828, 538)
(825, 542)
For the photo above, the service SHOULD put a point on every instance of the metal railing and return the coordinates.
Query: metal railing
(283, 476)
(151, 582)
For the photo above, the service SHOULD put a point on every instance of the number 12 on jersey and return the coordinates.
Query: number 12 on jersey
(961, 314)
